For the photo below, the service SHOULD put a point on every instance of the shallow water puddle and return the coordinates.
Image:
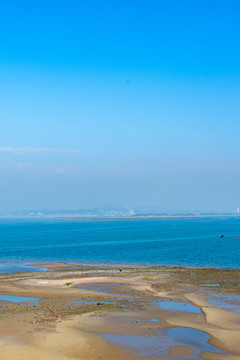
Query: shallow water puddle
(209, 285)
(7, 269)
(18, 299)
(196, 339)
(160, 344)
(225, 305)
(228, 302)
(178, 306)
(155, 320)
(226, 297)
(106, 288)
(143, 345)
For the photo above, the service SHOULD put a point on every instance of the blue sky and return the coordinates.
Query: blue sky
(131, 103)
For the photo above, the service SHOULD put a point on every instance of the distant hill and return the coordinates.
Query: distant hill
(106, 211)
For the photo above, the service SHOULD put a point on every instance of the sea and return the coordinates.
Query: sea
(186, 242)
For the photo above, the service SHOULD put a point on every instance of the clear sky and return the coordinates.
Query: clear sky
(123, 102)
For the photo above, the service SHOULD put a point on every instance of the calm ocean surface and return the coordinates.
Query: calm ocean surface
(185, 242)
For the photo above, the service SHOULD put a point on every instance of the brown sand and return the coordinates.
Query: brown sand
(57, 328)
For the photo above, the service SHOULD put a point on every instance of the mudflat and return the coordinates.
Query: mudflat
(93, 312)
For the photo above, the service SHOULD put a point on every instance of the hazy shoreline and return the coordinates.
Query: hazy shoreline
(61, 264)
(109, 218)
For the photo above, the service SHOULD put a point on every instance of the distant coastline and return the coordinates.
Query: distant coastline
(116, 217)
(117, 212)
(109, 218)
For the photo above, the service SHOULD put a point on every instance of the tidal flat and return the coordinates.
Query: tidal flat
(95, 312)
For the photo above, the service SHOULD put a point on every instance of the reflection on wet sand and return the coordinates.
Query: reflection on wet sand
(95, 313)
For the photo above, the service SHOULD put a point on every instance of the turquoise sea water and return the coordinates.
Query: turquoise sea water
(184, 242)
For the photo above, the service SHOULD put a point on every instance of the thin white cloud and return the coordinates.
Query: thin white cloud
(9, 150)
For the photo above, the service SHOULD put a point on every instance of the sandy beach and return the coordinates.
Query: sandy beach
(105, 312)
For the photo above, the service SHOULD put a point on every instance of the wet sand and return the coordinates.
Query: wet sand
(106, 312)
